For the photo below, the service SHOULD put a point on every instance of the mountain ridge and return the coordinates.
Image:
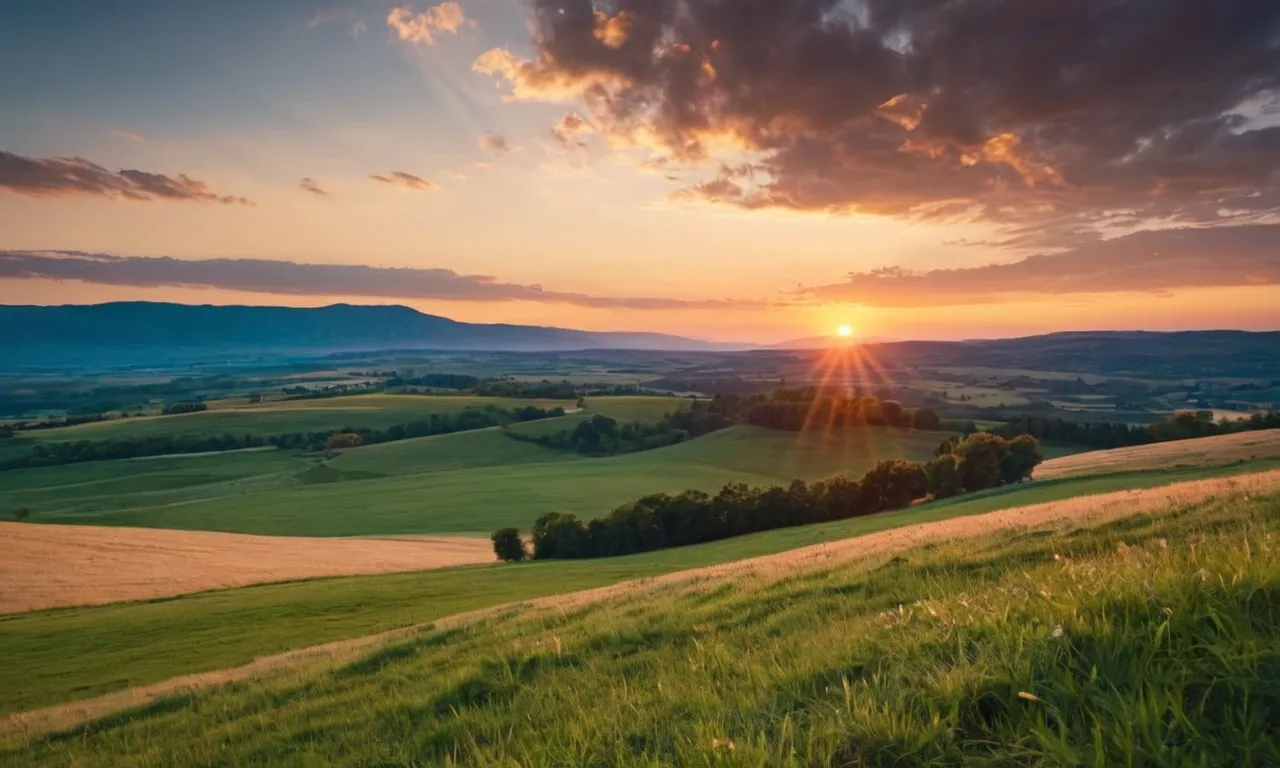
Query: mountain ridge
(187, 329)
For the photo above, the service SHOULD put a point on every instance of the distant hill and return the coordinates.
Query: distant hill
(147, 330)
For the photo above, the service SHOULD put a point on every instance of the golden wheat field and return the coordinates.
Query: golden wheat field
(48, 566)
(1204, 452)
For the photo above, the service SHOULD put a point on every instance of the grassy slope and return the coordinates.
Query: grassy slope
(60, 655)
(470, 483)
(1148, 641)
(1209, 451)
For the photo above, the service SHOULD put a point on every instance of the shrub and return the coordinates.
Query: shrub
(509, 546)
(344, 440)
(180, 408)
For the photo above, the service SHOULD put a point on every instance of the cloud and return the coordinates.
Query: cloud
(1046, 121)
(570, 127)
(1153, 262)
(77, 177)
(283, 277)
(136, 138)
(406, 180)
(494, 143)
(343, 15)
(314, 187)
(413, 27)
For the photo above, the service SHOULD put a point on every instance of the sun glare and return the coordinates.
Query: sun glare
(844, 331)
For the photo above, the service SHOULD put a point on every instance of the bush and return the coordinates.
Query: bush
(177, 409)
(344, 440)
(509, 546)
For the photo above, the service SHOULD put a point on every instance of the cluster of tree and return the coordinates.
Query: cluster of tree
(433, 380)
(547, 390)
(661, 520)
(177, 409)
(300, 392)
(723, 385)
(1183, 425)
(604, 436)
(48, 454)
(53, 422)
(437, 424)
(826, 408)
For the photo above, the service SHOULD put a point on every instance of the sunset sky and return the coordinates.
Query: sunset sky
(754, 170)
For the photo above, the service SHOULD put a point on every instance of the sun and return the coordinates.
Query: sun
(844, 331)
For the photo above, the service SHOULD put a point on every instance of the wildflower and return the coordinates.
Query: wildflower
(1057, 631)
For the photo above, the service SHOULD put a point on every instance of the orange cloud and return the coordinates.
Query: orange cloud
(447, 17)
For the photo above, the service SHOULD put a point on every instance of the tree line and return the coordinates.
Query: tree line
(825, 408)
(49, 454)
(601, 435)
(1183, 425)
(662, 520)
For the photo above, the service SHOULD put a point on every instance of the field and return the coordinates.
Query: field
(910, 647)
(48, 566)
(466, 483)
(62, 655)
(275, 418)
(1209, 451)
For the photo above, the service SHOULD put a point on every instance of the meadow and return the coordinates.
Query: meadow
(1158, 610)
(466, 483)
(377, 411)
(60, 655)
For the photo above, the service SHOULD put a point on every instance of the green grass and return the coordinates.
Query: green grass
(64, 654)
(274, 418)
(467, 483)
(1149, 641)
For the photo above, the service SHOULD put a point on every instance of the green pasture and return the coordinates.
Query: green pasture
(65, 654)
(465, 483)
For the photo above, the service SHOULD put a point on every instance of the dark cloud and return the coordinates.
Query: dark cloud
(1046, 117)
(284, 277)
(1153, 261)
(494, 143)
(407, 180)
(77, 177)
(314, 187)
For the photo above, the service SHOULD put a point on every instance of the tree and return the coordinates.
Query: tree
(509, 546)
(1024, 456)
(21, 513)
(942, 479)
(892, 484)
(558, 535)
(892, 410)
(979, 460)
(926, 419)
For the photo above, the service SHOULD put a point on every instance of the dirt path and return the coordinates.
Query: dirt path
(47, 566)
(1085, 510)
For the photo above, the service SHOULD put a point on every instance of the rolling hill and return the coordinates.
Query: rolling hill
(148, 330)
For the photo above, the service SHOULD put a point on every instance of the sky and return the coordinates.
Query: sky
(737, 170)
